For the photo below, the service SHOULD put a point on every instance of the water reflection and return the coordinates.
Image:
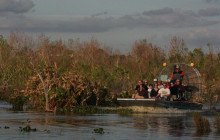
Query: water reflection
(70, 126)
(166, 124)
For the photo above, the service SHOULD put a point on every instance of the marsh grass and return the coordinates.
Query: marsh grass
(18, 101)
(202, 124)
(83, 110)
(217, 123)
(95, 110)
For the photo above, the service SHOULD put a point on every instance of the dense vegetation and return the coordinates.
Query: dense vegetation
(59, 74)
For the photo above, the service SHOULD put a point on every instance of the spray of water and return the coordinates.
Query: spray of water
(159, 110)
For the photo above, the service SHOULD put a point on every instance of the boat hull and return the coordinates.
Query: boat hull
(180, 105)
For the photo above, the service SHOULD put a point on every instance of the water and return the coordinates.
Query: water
(52, 126)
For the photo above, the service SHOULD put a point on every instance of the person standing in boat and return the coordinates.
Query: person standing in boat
(177, 74)
(140, 91)
(164, 92)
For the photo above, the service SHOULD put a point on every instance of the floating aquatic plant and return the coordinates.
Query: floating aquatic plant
(27, 127)
(217, 123)
(6, 127)
(46, 130)
(99, 130)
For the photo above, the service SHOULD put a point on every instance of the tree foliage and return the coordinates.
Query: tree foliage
(91, 69)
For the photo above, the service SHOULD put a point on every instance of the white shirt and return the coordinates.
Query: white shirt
(149, 91)
(164, 92)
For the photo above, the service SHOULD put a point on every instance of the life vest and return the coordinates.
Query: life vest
(177, 75)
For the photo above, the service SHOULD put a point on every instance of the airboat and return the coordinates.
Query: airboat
(193, 85)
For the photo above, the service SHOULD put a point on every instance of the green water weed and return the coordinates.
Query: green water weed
(99, 130)
(6, 127)
(27, 127)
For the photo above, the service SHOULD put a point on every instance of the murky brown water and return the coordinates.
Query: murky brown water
(52, 126)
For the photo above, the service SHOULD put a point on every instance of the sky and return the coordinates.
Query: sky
(116, 23)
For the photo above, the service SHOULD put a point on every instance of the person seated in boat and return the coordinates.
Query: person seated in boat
(173, 91)
(150, 88)
(177, 74)
(154, 91)
(164, 92)
(146, 84)
(140, 91)
(155, 82)
(160, 85)
(180, 89)
(168, 83)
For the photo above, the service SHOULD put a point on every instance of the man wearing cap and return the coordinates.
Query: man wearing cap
(177, 74)
(154, 82)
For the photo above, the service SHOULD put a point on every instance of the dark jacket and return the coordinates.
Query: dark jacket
(154, 93)
(173, 90)
(180, 89)
(143, 92)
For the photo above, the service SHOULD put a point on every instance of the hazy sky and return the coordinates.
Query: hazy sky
(116, 23)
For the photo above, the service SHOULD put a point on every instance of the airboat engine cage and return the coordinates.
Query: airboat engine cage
(192, 78)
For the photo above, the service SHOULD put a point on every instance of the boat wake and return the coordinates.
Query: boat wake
(159, 110)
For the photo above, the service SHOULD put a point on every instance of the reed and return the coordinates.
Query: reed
(217, 123)
(201, 123)
(95, 110)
